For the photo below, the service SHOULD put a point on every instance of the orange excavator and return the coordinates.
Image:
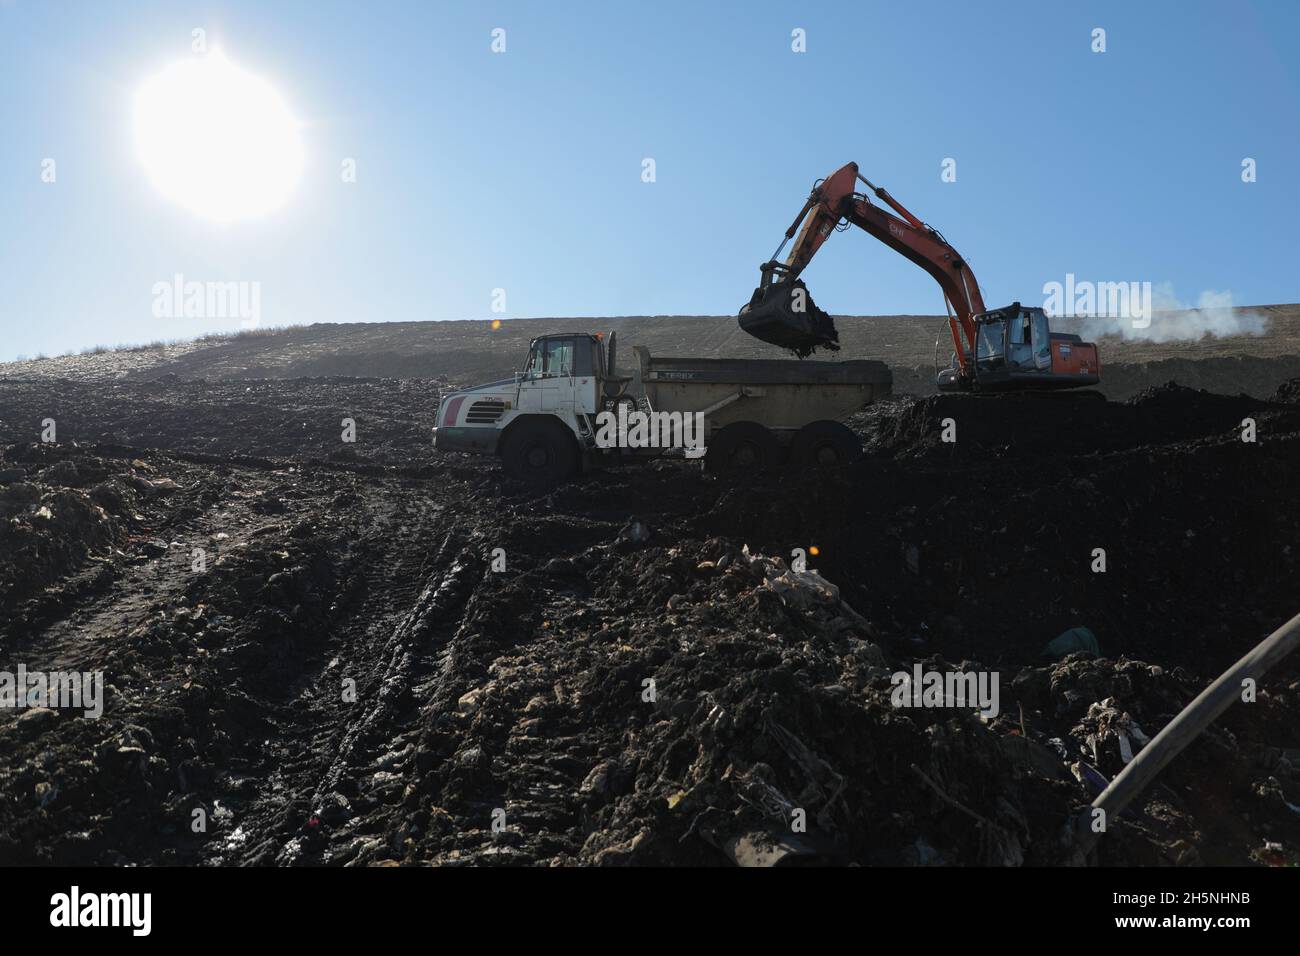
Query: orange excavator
(1011, 348)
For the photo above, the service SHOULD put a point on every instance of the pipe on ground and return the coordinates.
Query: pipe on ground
(1186, 727)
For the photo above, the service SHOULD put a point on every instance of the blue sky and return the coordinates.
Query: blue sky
(522, 170)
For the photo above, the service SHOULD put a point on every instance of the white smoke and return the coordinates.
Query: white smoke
(1172, 320)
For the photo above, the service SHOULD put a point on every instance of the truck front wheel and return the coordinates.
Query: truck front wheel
(539, 453)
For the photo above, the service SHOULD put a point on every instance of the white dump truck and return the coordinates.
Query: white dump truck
(568, 408)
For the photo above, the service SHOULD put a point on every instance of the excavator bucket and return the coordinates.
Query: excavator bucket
(783, 314)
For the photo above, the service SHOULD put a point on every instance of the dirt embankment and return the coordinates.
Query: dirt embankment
(474, 351)
(390, 656)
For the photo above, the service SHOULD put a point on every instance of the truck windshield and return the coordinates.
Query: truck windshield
(550, 358)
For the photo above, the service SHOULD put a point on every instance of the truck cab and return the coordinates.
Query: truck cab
(563, 373)
(564, 381)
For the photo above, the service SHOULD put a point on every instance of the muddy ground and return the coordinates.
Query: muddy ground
(333, 652)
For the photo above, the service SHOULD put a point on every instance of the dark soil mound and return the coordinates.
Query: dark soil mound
(361, 652)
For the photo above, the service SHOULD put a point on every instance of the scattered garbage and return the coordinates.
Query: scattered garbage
(384, 660)
(1106, 726)
(803, 589)
(1077, 640)
(632, 534)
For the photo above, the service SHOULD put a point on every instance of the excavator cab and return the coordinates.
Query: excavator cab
(1016, 349)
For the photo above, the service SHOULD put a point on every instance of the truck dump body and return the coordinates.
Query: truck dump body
(781, 394)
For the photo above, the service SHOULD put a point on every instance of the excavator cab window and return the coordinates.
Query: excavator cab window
(1019, 354)
(1041, 339)
(991, 342)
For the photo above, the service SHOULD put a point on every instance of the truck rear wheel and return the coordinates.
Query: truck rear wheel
(825, 443)
(746, 446)
(539, 453)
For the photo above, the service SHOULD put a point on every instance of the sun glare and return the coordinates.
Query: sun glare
(218, 141)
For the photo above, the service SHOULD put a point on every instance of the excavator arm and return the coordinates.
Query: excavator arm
(833, 200)
(998, 350)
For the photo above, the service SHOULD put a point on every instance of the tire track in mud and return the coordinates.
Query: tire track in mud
(138, 590)
(359, 710)
(90, 626)
(156, 669)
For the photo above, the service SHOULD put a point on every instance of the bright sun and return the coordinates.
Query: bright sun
(217, 140)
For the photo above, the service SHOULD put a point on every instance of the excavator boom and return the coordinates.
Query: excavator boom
(836, 199)
(781, 312)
